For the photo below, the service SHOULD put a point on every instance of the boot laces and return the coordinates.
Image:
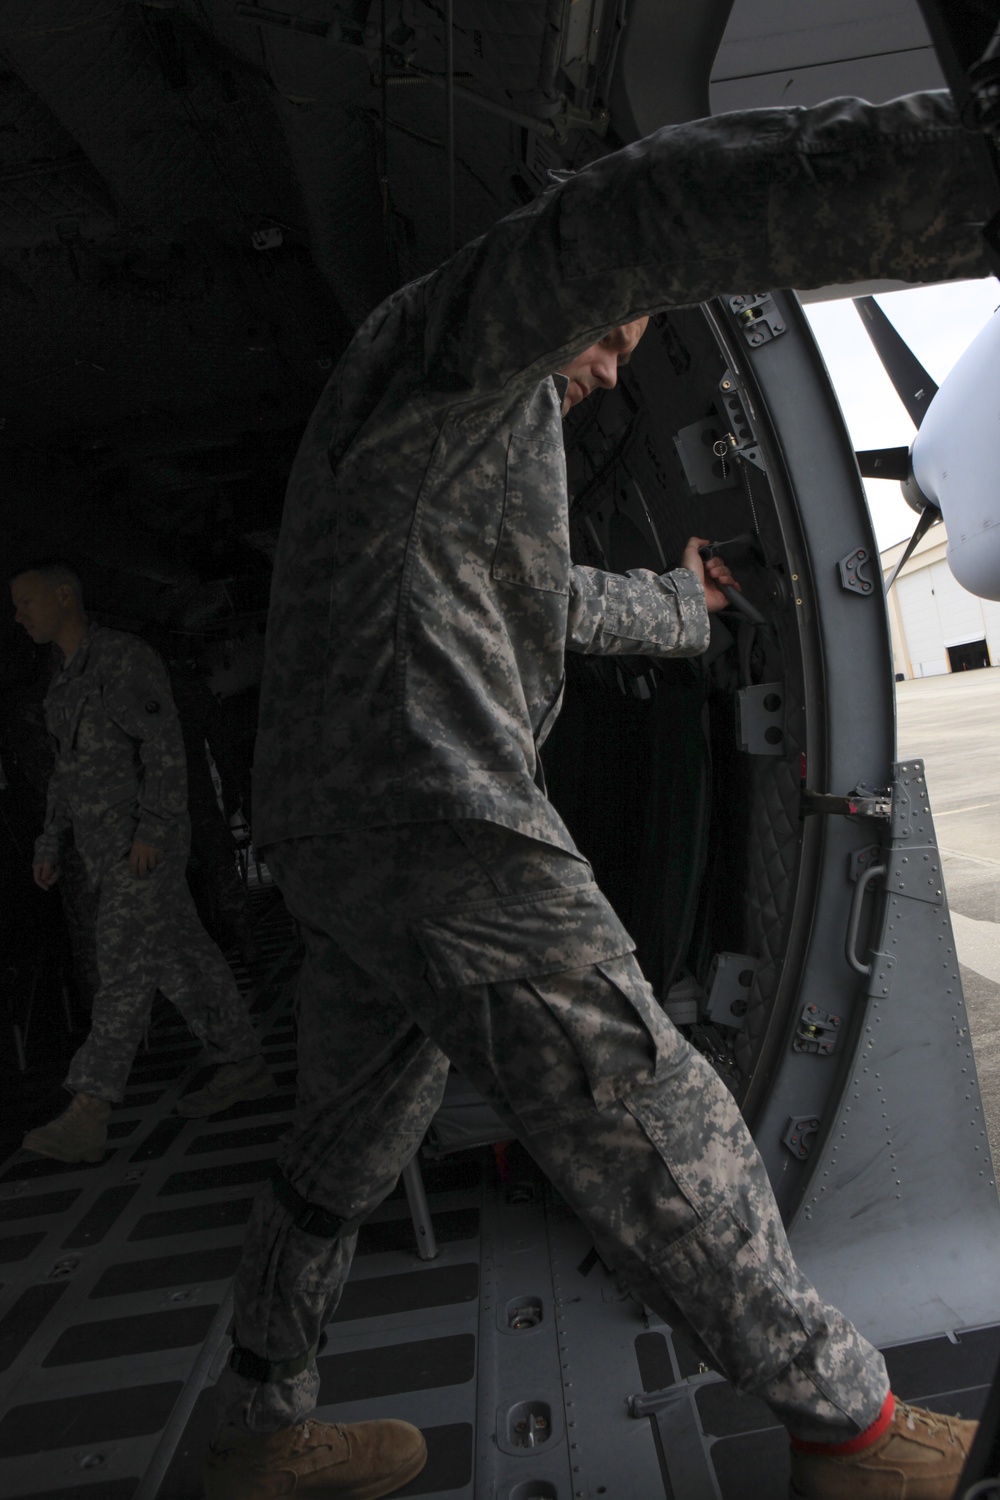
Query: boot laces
(929, 1420)
(338, 1427)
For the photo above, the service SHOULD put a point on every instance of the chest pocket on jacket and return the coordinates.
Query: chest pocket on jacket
(533, 546)
(64, 718)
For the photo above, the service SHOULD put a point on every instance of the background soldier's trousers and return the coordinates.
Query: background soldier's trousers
(148, 939)
(471, 942)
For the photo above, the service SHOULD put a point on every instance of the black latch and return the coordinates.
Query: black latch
(817, 1031)
(864, 802)
(758, 317)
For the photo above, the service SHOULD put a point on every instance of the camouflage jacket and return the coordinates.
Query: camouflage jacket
(120, 772)
(423, 593)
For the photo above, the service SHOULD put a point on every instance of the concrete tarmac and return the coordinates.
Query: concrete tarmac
(953, 724)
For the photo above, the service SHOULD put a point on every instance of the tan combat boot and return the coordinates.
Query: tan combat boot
(79, 1134)
(249, 1079)
(920, 1456)
(343, 1462)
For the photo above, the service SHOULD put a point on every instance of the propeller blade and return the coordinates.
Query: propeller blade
(911, 382)
(927, 518)
(884, 463)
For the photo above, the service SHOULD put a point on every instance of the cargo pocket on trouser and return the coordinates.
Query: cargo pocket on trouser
(542, 995)
(732, 1274)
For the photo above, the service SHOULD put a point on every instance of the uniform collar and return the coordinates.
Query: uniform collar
(78, 661)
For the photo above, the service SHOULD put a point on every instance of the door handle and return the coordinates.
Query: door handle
(854, 920)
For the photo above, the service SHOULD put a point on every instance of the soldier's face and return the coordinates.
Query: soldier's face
(39, 606)
(599, 365)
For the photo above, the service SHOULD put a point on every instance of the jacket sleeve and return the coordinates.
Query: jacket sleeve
(58, 821)
(845, 191)
(137, 697)
(638, 614)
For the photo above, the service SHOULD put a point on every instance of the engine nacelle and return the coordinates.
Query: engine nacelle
(956, 462)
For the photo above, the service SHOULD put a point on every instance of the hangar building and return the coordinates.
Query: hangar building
(937, 625)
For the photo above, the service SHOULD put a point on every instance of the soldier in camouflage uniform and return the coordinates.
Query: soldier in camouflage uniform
(423, 598)
(120, 783)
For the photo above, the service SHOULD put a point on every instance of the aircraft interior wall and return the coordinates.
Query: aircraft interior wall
(695, 840)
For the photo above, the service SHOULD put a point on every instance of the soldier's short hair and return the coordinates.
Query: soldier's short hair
(55, 571)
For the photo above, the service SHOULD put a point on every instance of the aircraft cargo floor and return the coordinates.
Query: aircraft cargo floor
(532, 1375)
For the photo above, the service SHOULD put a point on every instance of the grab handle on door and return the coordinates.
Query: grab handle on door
(854, 920)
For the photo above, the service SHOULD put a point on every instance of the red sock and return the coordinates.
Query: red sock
(854, 1445)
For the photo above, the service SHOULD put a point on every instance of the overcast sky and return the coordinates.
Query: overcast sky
(938, 323)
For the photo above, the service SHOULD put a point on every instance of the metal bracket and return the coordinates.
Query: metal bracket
(705, 470)
(649, 1402)
(852, 572)
(862, 860)
(817, 1031)
(760, 719)
(679, 1434)
(568, 117)
(730, 980)
(741, 435)
(864, 802)
(710, 450)
(800, 1133)
(758, 317)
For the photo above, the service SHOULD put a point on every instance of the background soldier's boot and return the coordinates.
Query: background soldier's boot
(920, 1456)
(249, 1079)
(350, 1462)
(79, 1134)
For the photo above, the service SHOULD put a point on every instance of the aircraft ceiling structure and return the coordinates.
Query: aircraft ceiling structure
(200, 200)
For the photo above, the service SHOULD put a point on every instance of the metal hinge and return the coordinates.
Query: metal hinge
(864, 802)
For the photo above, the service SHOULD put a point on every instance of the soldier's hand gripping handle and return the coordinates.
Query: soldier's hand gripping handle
(723, 580)
(144, 858)
(718, 582)
(46, 874)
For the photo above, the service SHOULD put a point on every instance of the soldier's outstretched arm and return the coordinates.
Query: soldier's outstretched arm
(636, 614)
(845, 191)
(647, 614)
(138, 697)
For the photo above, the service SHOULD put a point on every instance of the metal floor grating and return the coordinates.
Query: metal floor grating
(114, 1317)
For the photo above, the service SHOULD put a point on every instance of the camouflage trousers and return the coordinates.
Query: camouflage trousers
(148, 939)
(79, 904)
(471, 942)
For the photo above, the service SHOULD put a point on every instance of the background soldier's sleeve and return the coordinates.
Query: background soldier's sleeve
(843, 192)
(48, 845)
(138, 698)
(641, 614)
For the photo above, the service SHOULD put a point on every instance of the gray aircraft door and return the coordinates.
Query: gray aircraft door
(892, 1207)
